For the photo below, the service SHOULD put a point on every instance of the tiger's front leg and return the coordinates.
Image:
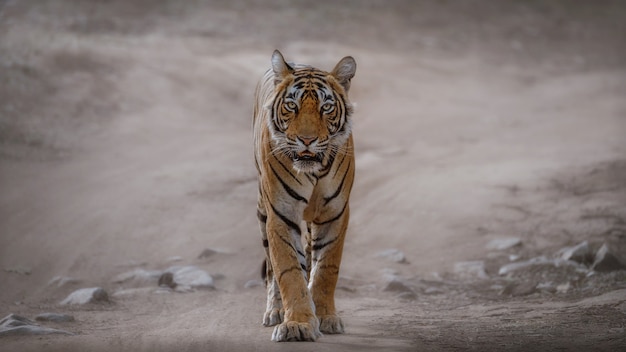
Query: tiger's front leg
(288, 265)
(327, 246)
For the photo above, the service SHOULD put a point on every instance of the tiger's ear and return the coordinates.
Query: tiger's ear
(280, 67)
(344, 71)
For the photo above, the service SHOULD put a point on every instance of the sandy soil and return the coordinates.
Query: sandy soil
(125, 140)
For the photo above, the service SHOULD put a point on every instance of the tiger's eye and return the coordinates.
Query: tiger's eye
(290, 105)
(327, 107)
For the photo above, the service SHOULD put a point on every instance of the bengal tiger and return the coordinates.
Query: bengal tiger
(305, 162)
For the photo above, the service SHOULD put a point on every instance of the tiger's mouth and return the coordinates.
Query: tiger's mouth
(308, 156)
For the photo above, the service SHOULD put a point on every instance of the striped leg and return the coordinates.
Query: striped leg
(274, 310)
(289, 264)
(327, 246)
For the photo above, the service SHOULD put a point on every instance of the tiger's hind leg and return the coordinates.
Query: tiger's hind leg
(274, 312)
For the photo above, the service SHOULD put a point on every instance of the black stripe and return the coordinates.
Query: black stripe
(288, 243)
(286, 220)
(340, 163)
(328, 199)
(260, 216)
(289, 190)
(297, 267)
(266, 243)
(287, 170)
(335, 218)
(317, 247)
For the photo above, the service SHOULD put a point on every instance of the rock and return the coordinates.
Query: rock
(396, 284)
(606, 261)
(138, 276)
(394, 255)
(13, 324)
(207, 253)
(471, 269)
(580, 253)
(501, 244)
(173, 259)
(60, 281)
(20, 270)
(407, 296)
(86, 295)
(167, 280)
(55, 317)
(520, 289)
(563, 288)
(538, 261)
(189, 277)
(254, 283)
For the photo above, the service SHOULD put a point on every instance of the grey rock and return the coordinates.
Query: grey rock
(394, 255)
(20, 270)
(86, 295)
(55, 317)
(606, 261)
(13, 325)
(254, 283)
(167, 280)
(407, 296)
(173, 259)
(501, 244)
(138, 276)
(130, 292)
(538, 261)
(207, 253)
(471, 269)
(190, 277)
(520, 289)
(580, 253)
(60, 281)
(396, 284)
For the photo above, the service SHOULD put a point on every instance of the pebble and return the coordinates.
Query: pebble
(138, 276)
(13, 324)
(207, 253)
(537, 261)
(394, 255)
(580, 253)
(471, 269)
(60, 281)
(86, 295)
(254, 283)
(606, 261)
(189, 277)
(396, 284)
(501, 244)
(167, 280)
(55, 317)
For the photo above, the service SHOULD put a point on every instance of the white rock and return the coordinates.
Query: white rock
(60, 281)
(580, 253)
(606, 261)
(471, 269)
(13, 324)
(254, 283)
(86, 295)
(537, 261)
(138, 276)
(393, 254)
(501, 244)
(190, 277)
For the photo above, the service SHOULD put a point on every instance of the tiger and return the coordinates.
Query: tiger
(303, 151)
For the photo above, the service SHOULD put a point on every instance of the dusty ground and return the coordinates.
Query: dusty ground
(125, 139)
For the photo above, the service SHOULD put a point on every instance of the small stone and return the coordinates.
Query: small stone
(188, 277)
(509, 268)
(20, 270)
(86, 295)
(519, 289)
(397, 284)
(13, 325)
(580, 253)
(606, 261)
(167, 280)
(130, 292)
(394, 255)
(55, 317)
(207, 253)
(563, 288)
(60, 281)
(138, 276)
(501, 244)
(407, 296)
(471, 269)
(253, 283)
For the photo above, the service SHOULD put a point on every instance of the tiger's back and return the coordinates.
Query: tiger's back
(304, 157)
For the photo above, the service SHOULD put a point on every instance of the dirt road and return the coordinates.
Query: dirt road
(125, 143)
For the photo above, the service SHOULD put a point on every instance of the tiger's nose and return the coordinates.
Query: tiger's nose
(307, 140)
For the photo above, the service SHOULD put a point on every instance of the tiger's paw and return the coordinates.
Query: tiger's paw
(331, 324)
(273, 317)
(295, 331)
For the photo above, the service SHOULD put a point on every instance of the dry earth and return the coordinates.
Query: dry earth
(125, 140)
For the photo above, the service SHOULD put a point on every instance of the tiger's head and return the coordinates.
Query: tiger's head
(310, 112)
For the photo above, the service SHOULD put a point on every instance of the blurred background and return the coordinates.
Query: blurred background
(125, 131)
